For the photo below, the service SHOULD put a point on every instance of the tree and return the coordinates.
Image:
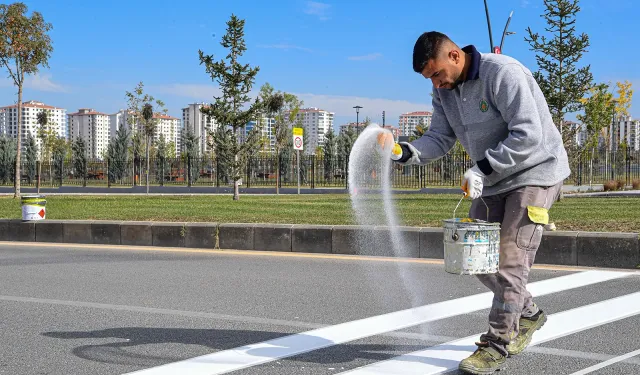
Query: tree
(31, 156)
(7, 159)
(47, 137)
(191, 153)
(118, 154)
(24, 47)
(79, 152)
(59, 151)
(235, 81)
(561, 81)
(162, 164)
(330, 151)
(141, 118)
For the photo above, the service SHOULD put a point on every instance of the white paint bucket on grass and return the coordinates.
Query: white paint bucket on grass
(33, 207)
(471, 246)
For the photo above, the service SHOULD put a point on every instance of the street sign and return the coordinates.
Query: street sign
(298, 139)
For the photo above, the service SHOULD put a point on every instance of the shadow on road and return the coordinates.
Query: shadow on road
(215, 339)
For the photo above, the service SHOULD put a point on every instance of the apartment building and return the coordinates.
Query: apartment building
(30, 109)
(625, 129)
(408, 122)
(168, 127)
(199, 124)
(316, 123)
(93, 127)
(267, 125)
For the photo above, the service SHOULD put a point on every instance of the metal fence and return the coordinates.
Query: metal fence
(315, 172)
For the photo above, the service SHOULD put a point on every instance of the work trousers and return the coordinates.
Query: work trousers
(520, 236)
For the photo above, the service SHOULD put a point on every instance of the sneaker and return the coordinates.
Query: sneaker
(485, 360)
(527, 327)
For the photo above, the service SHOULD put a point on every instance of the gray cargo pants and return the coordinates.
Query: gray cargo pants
(520, 238)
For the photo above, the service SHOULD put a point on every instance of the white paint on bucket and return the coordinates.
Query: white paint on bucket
(33, 207)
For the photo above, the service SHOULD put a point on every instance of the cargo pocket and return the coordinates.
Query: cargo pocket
(530, 232)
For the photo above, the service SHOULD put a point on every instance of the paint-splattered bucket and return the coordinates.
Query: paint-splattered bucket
(33, 207)
(471, 246)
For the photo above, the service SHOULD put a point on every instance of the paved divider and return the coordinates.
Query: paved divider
(619, 250)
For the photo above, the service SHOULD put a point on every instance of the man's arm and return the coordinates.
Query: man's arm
(434, 143)
(516, 103)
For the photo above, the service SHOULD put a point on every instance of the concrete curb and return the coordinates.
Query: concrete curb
(590, 249)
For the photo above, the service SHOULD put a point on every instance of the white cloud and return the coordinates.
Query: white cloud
(37, 82)
(43, 82)
(285, 47)
(318, 9)
(369, 57)
(524, 3)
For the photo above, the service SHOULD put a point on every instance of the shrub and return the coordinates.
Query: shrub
(610, 186)
(621, 184)
(636, 184)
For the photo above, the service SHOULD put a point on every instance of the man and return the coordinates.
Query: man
(494, 107)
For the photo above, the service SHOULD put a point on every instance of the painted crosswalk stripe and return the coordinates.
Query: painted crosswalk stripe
(255, 354)
(446, 357)
(610, 362)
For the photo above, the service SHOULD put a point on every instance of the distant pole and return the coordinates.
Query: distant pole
(505, 32)
(357, 119)
(298, 160)
(486, 10)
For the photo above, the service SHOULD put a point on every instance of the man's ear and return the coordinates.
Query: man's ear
(454, 55)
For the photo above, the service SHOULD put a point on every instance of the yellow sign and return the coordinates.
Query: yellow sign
(298, 131)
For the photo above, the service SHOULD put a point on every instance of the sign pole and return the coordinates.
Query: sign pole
(298, 154)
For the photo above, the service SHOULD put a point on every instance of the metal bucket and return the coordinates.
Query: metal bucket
(471, 246)
(33, 207)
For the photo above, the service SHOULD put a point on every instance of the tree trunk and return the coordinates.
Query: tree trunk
(277, 171)
(16, 193)
(147, 165)
(236, 186)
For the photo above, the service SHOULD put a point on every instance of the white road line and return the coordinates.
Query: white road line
(607, 363)
(446, 357)
(255, 354)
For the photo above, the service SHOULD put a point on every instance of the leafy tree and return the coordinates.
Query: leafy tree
(141, 118)
(235, 81)
(79, 148)
(31, 156)
(191, 153)
(7, 159)
(162, 164)
(118, 154)
(330, 154)
(24, 47)
(59, 152)
(136, 152)
(560, 79)
(48, 137)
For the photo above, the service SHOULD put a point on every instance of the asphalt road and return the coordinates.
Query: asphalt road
(77, 309)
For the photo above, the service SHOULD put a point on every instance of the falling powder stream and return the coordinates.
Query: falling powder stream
(370, 167)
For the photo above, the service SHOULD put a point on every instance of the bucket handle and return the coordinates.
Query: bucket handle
(455, 236)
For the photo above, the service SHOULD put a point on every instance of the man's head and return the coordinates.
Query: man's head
(437, 58)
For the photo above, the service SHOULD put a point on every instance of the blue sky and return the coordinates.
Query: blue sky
(333, 54)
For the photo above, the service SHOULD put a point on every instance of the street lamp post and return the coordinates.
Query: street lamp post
(357, 119)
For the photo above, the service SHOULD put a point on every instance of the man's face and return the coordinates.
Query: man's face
(445, 70)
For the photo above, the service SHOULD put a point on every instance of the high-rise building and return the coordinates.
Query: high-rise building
(625, 129)
(9, 120)
(409, 121)
(199, 124)
(93, 127)
(316, 123)
(267, 133)
(168, 127)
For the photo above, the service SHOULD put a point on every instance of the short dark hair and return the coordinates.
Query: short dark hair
(426, 48)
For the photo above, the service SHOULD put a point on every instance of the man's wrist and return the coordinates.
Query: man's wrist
(484, 166)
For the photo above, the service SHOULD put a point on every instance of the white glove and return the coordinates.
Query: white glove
(472, 182)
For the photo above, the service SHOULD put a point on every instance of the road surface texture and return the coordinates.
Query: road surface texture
(83, 309)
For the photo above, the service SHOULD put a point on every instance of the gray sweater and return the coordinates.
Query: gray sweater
(502, 120)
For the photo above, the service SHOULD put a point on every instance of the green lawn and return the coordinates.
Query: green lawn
(592, 214)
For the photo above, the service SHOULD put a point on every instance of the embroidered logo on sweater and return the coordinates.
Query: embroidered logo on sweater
(484, 106)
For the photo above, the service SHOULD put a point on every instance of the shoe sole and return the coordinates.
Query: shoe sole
(475, 371)
(544, 320)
